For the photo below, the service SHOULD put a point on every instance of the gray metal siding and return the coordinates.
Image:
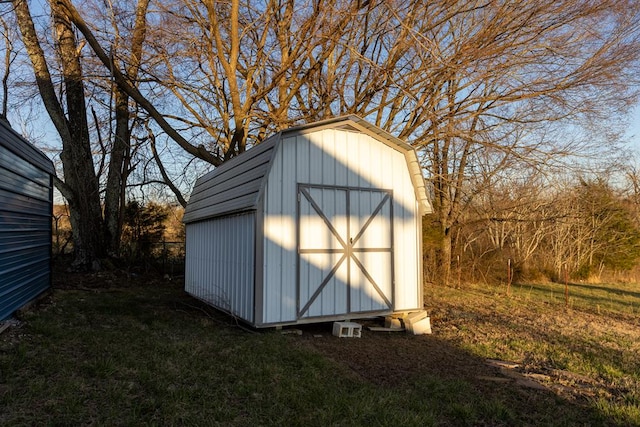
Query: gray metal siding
(232, 187)
(25, 222)
(335, 157)
(220, 263)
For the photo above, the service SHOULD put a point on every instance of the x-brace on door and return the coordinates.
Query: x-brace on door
(345, 250)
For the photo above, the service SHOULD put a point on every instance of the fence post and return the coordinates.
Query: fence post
(566, 287)
(509, 277)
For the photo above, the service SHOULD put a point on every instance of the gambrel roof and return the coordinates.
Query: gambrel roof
(236, 185)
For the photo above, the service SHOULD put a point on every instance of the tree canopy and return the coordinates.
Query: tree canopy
(481, 88)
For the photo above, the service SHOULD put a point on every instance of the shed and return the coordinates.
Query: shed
(319, 222)
(26, 201)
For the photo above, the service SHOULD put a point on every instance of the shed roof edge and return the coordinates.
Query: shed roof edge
(383, 136)
(34, 155)
(357, 123)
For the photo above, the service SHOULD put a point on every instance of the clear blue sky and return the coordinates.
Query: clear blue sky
(633, 132)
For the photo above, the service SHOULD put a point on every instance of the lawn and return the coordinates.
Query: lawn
(110, 349)
(585, 348)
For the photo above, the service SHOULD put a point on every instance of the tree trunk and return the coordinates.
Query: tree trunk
(76, 155)
(80, 186)
(443, 257)
(115, 178)
(121, 146)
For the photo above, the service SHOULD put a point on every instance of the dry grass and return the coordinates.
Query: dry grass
(586, 352)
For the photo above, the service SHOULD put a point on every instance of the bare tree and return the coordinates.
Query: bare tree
(109, 153)
(239, 69)
(478, 87)
(114, 199)
(512, 219)
(494, 79)
(69, 115)
(130, 89)
(8, 37)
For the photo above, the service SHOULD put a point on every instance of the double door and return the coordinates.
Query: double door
(345, 251)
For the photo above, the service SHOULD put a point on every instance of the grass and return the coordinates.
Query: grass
(586, 351)
(140, 356)
(146, 354)
(616, 300)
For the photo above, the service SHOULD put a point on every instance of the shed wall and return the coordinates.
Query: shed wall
(25, 223)
(220, 263)
(334, 157)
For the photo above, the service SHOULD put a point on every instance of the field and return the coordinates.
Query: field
(118, 350)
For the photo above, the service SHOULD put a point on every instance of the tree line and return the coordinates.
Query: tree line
(151, 232)
(586, 229)
(490, 93)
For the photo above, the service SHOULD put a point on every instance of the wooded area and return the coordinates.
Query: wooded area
(516, 109)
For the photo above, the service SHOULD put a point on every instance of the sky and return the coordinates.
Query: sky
(633, 132)
(632, 135)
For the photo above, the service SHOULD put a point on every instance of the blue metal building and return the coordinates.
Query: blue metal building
(26, 202)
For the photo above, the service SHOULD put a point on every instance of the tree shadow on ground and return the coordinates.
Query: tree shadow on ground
(430, 370)
(610, 290)
(432, 365)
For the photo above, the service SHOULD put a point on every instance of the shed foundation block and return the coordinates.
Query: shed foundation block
(347, 329)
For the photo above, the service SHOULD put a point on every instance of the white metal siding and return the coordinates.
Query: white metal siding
(334, 157)
(220, 263)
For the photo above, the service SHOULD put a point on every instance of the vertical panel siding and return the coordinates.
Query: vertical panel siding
(364, 295)
(220, 263)
(25, 226)
(341, 158)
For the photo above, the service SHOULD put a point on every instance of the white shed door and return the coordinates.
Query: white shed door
(345, 251)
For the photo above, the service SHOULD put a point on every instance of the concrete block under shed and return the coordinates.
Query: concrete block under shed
(392, 322)
(421, 327)
(418, 323)
(347, 329)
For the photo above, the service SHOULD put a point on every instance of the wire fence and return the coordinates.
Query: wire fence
(168, 257)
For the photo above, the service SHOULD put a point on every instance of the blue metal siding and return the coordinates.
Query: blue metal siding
(25, 221)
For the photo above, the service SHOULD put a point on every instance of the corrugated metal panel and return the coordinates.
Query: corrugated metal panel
(235, 186)
(25, 221)
(345, 151)
(232, 187)
(335, 157)
(220, 263)
(13, 142)
(358, 124)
